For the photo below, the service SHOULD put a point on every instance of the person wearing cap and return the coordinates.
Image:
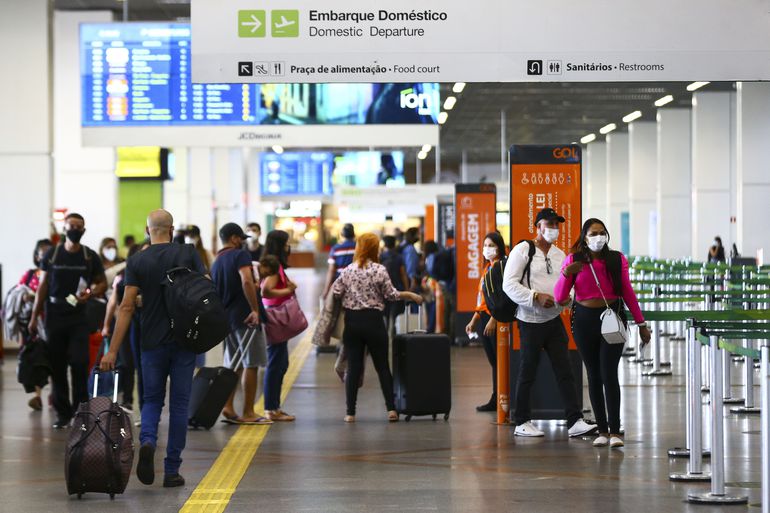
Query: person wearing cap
(340, 256)
(540, 326)
(233, 277)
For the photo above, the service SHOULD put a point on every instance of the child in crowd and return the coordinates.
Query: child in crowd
(268, 266)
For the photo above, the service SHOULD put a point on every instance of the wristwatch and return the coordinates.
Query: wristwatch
(534, 297)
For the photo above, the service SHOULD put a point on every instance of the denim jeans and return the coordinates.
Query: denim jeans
(167, 360)
(277, 365)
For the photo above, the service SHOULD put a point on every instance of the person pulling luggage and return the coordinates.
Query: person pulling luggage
(365, 288)
(162, 357)
(540, 324)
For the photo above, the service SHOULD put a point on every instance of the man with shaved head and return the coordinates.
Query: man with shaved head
(162, 357)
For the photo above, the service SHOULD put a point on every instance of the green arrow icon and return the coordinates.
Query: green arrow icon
(251, 23)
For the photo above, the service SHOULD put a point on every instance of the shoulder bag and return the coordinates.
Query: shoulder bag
(285, 321)
(614, 330)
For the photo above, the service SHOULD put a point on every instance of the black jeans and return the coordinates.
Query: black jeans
(366, 329)
(550, 337)
(601, 360)
(68, 347)
(490, 348)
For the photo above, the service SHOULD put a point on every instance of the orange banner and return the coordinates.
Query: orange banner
(430, 223)
(475, 208)
(546, 176)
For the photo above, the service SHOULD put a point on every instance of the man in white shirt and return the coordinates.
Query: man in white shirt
(540, 324)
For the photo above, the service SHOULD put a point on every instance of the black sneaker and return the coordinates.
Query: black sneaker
(490, 406)
(145, 469)
(172, 480)
(61, 424)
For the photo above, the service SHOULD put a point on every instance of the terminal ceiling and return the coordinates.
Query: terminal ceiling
(535, 112)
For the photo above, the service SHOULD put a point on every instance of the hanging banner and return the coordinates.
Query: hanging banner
(430, 223)
(273, 41)
(445, 221)
(475, 217)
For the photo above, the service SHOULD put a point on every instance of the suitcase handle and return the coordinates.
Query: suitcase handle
(419, 318)
(96, 384)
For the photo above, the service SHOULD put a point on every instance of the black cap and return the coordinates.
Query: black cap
(548, 214)
(348, 231)
(231, 229)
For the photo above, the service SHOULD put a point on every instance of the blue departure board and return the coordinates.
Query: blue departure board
(297, 173)
(138, 74)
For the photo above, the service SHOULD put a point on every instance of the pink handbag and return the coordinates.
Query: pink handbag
(285, 321)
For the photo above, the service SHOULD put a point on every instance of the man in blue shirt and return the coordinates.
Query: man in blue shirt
(340, 256)
(412, 258)
(234, 280)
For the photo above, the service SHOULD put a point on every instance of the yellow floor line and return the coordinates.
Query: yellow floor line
(213, 493)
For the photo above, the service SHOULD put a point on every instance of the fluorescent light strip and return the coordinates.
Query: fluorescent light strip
(449, 103)
(458, 87)
(588, 138)
(606, 129)
(632, 116)
(660, 102)
(442, 117)
(696, 85)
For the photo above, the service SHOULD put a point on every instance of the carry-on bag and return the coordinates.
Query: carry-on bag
(100, 449)
(421, 373)
(211, 388)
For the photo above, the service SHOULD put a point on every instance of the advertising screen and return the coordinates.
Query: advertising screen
(369, 168)
(138, 74)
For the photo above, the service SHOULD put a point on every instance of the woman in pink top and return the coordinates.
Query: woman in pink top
(601, 359)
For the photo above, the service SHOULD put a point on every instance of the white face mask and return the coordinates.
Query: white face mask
(189, 240)
(550, 234)
(110, 254)
(489, 253)
(596, 242)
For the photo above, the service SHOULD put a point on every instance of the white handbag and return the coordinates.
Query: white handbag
(614, 330)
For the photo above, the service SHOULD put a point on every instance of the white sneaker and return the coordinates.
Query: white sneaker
(580, 428)
(616, 442)
(601, 441)
(528, 429)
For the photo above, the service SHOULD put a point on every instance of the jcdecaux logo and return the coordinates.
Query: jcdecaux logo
(283, 23)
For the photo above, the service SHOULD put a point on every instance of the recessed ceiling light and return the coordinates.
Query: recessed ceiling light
(422, 155)
(278, 149)
(660, 102)
(696, 85)
(449, 103)
(606, 129)
(442, 117)
(458, 87)
(632, 116)
(588, 138)
(426, 148)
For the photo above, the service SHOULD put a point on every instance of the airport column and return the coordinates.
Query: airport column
(642, 186)
(674, 173)
(712, 154)
(753, 166)
(201, 197)
(26, 131)
(595, 180)
(617, 190)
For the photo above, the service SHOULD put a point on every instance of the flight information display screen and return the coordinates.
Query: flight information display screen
(138, 74)
(297, 173)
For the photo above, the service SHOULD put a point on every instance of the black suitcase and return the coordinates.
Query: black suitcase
(100, 449)
(422, 375)
(211, 387)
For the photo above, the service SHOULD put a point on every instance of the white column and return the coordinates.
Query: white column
(617, 186)
(76, 165)
(753, 167)
(176, 192)
(201, 211)
(255, 211)
(642, 184)
(712, 155)
(674, 184)
(25, 133)
(595, 183)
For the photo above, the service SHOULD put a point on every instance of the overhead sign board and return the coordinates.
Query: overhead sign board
(486, 41)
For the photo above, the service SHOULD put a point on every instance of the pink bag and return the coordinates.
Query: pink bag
(285, 321)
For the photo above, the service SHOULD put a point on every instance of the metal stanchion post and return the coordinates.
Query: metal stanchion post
(503, 371)
(717, 494)
(765, 430)
(694, 417)
(656, 343)
(708, 302)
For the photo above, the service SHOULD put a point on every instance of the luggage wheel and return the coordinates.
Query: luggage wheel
(408, 418)
(112, 496)
(80, 496)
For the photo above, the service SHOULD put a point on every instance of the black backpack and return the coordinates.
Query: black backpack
(195, 310)
(501, 307)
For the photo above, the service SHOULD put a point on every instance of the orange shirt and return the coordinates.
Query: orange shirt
(481, 304)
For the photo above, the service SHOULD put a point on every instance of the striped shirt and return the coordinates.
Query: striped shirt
(341, 255)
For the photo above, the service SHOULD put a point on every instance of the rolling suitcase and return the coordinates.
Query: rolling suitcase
(421, 373)
(100, 449)
(211, 388)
